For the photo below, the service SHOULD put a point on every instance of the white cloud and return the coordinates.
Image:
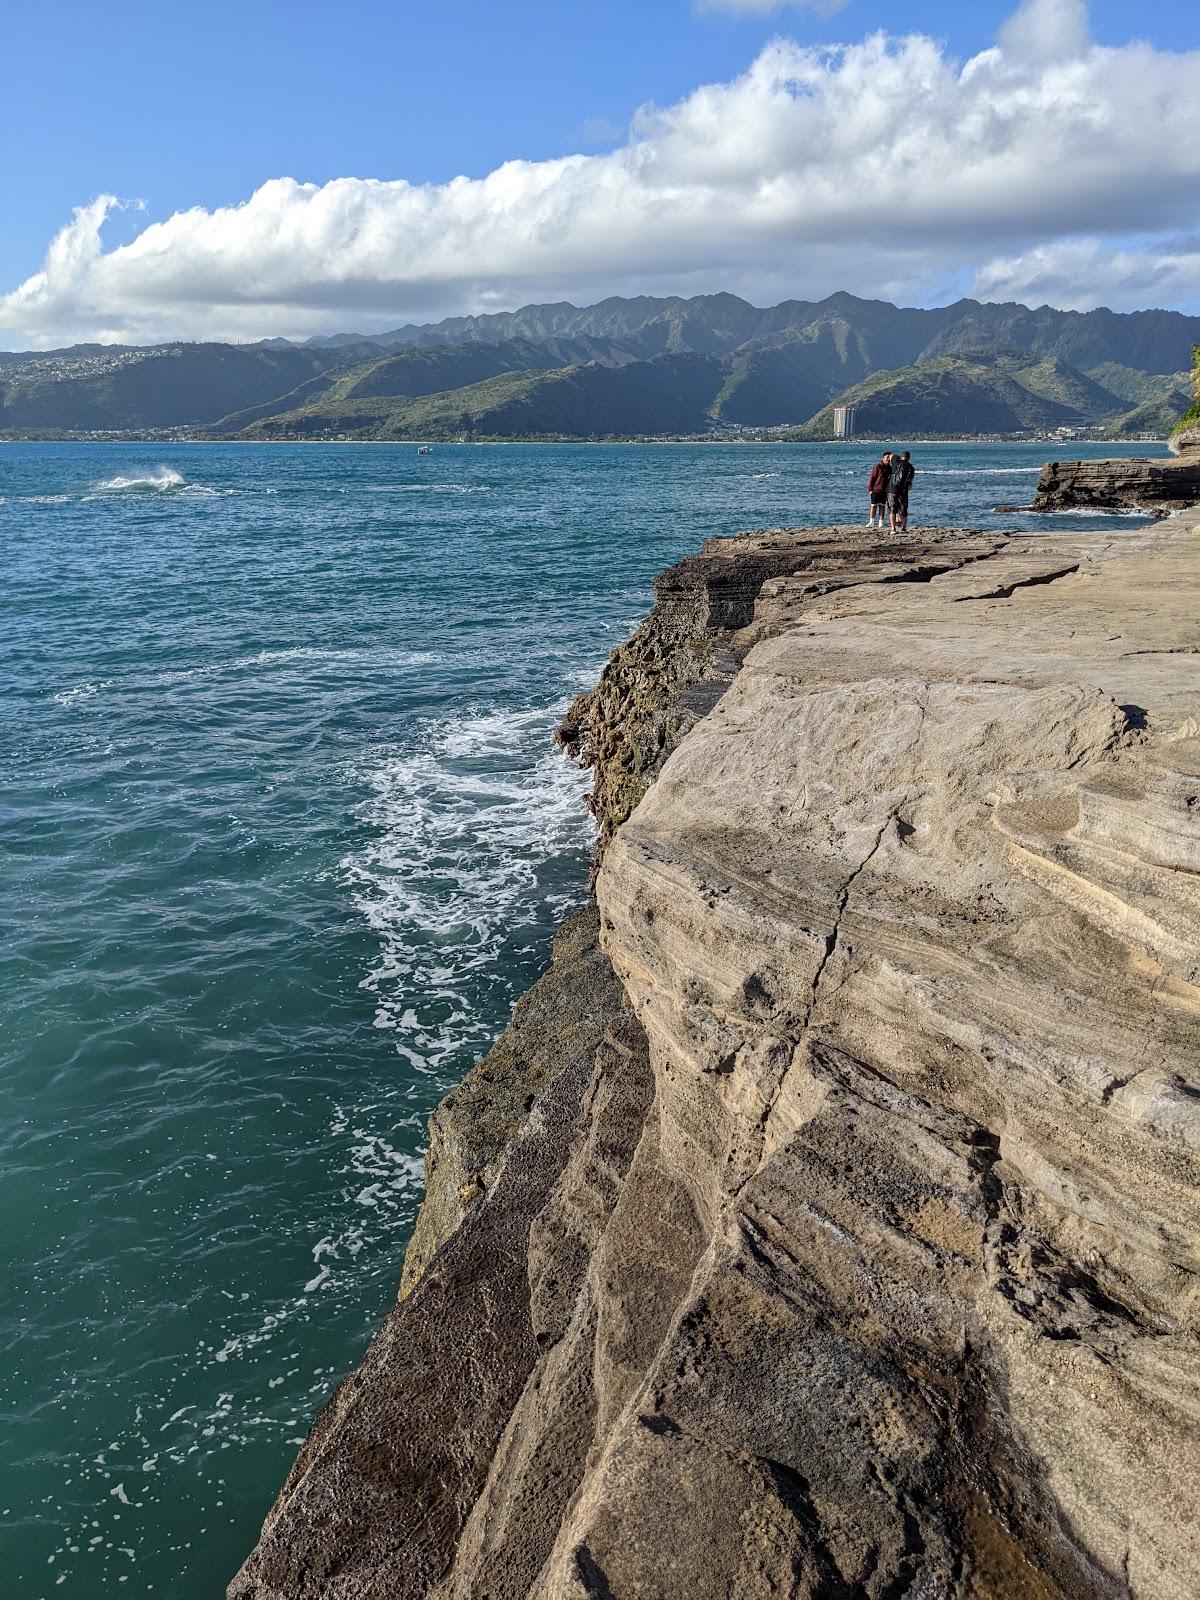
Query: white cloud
(884, 166)
(1080, 274)
(1047, 30)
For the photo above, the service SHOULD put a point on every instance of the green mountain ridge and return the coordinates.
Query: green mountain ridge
(949, 395)
(694, 394)
(635, 366)
(163, 386)
(666, 394)
(897, 336)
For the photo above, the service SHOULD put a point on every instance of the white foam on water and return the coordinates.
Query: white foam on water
(80, 691)
(443, 488)
(42, 499)
(380, 654)
(160, 478)
(367, 655)
(461, 826)
(416, 488)
(1096, 511)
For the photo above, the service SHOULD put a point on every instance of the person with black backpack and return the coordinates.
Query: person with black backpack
(900, 476)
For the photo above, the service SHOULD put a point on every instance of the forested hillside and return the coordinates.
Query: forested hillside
(641, 366)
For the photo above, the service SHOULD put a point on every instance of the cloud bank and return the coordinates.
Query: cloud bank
(1045, 166)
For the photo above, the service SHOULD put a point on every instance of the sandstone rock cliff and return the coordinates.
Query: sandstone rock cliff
(847, 1246)
(1122, 483)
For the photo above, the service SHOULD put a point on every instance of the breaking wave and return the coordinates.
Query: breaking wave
(160, 478)
(463, 827)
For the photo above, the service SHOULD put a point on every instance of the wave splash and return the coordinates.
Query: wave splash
(160, 478)
(463, 826)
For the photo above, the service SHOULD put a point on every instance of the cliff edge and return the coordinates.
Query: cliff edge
(832, 1220)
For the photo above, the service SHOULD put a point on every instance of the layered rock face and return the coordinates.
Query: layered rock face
(1148, 485)
(847, 1244)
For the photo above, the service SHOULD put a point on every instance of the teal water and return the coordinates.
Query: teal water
(284, 834)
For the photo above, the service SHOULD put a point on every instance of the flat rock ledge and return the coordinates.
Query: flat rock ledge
(828, 1225)
(1133, 483)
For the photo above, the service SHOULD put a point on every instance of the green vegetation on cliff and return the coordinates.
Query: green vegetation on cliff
(1191, 417)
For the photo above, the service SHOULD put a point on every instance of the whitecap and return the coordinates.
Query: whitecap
(417, 488)
(436, 488)
(160, 478)
(382, 654)
(78, 692)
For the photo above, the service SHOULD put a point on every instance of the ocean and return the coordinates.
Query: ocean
(284, 835)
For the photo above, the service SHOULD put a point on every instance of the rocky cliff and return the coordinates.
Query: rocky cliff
(1122, 483)
(826, 1224)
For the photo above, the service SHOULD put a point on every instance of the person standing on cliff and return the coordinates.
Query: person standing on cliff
(877, 488)
(901, 473)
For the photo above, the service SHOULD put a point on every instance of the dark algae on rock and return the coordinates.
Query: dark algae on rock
(566, 1012)
(826, 1224)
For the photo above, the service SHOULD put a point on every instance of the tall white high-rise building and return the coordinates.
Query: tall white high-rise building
(843, 422)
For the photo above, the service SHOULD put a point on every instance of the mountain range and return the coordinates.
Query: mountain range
(641, 366)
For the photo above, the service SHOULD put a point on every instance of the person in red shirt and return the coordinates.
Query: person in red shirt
(877, 485)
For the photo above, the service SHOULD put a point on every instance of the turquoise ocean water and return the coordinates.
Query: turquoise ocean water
(283, 836)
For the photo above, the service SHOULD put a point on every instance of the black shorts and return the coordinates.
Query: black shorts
(898, 503)
(879, 499)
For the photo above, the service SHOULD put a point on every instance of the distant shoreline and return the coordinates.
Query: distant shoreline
(641, 439)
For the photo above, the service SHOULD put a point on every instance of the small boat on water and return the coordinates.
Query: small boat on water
(424, 450)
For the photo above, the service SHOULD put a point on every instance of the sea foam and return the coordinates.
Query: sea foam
(160, 478)
(461, 827)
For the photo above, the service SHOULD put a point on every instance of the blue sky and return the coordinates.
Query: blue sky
(198, 106)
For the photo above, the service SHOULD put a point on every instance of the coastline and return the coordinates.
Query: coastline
(522, 1408)
(749, 438)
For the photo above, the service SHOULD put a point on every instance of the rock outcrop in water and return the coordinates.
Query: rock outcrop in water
(845, 1243)
(1120, 484)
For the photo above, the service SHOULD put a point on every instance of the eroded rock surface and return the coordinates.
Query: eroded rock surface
(858, 1257)
(1120, 484)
